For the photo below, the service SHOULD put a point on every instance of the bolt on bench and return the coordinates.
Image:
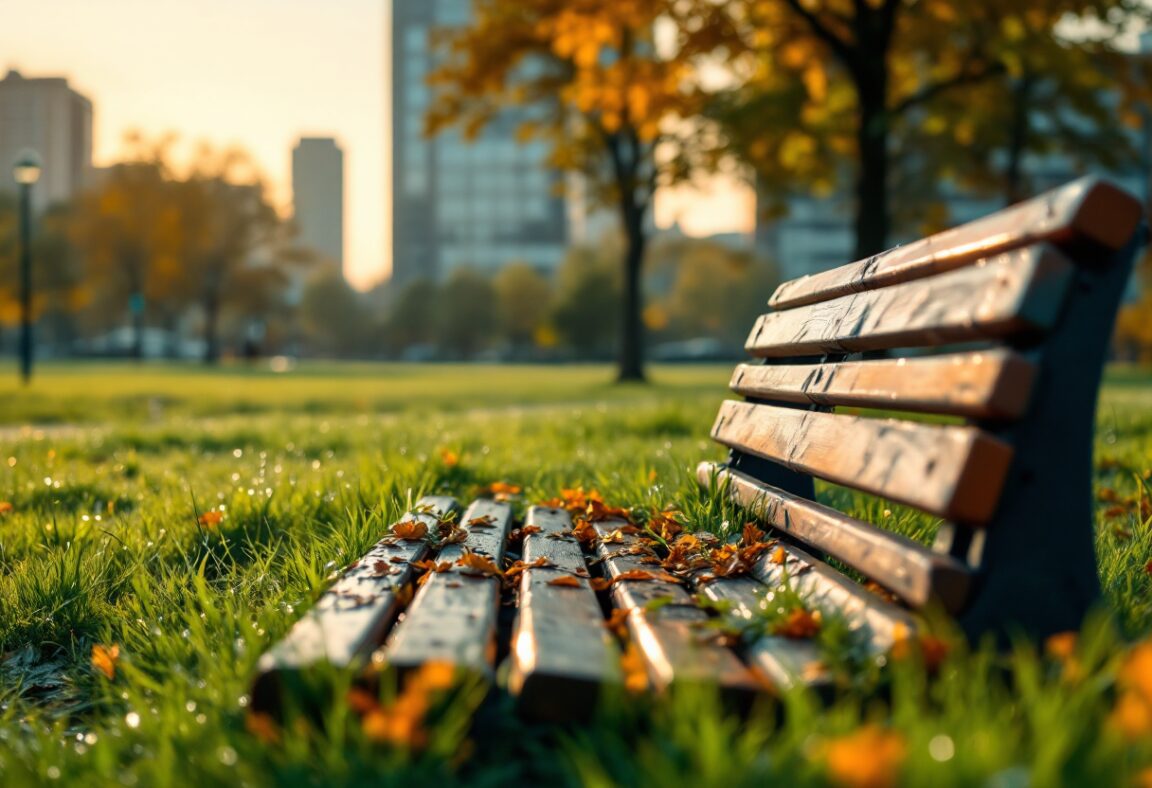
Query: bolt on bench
(1001, 325)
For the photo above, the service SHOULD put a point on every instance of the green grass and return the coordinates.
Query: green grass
(103, 546)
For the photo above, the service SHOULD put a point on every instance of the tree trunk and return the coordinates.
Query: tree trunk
(872, 216)
(632, 325)
(211, 327)
(1015, 189)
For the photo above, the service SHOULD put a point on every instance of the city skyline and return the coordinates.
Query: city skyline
(158, 66)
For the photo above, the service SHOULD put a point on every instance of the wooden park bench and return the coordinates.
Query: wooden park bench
(998, 330)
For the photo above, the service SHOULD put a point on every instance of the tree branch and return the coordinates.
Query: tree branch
(933, 89)
(839, 46)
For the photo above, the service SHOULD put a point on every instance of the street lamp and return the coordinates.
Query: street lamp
(26, 171)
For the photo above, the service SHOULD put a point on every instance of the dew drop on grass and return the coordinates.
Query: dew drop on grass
(237, 453)
(227, 756)
(132, 719)
(52, 773)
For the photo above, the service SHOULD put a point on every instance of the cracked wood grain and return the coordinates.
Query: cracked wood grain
(955, 472)
(992, 384)
(1087, 209)
(453, 617)
(1019, 292)
(912, 571)
(562, 654)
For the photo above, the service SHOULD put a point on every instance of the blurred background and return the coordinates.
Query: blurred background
(500, 181)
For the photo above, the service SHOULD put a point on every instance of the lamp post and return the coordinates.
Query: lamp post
(26, 171)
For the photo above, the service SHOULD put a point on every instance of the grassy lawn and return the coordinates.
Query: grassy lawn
(103, 546)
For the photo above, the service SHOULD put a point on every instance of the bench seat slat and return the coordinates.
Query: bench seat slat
(453, 617)
(955, 472)
(821, 586)
(785, 662)
(913, 572)
(674, 647)
(562, 654)
(992, 384)
(1089, 209)
(1020, 292)
(350, 618)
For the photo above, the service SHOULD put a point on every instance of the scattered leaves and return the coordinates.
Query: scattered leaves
(635, 674)
(487, 521)
(565, 581)
(798, 624)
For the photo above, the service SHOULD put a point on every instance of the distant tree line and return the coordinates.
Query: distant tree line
(697, 289)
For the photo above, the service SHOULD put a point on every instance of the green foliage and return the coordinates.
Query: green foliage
(308, 472)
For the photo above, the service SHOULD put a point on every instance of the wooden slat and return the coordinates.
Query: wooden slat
(453, 617)
(1019, 292)
(665, 625)
(823, 587)
(785, 662)
(350, 618)
(1088, 208)
(953, 471)
(992, 384)
(912, 571)
(562, 654)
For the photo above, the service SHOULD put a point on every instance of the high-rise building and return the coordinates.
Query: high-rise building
(481, 203)
(318, 196)
(45, 115)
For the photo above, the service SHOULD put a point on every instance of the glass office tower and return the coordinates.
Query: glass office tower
(481, 203)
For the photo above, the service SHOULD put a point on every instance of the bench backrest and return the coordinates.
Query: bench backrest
(1002, 325)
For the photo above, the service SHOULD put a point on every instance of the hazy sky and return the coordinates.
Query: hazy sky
(259, 73)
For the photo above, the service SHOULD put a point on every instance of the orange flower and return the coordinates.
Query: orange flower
(211, 519)
(870, 757)
(1136, 672)
(5, 507)
(635, 674)
(931, 649)
(104, 659)
(1131, 717)
(410, 530)
(450, 458)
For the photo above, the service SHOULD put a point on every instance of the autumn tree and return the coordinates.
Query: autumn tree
(588, 295)
(825, 85)
(125, 225)
(605, 95)
(524, 298)
(465, 313)
(226, 220)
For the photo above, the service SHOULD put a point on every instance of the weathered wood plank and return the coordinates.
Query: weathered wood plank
(912, 571)
(350, 618)
(991, 384)
(821, 586)
(1088, 208)
(665, 624)
(785, 662)
(453, 617)
(953, 471)
(562, 654)
(1019, 292)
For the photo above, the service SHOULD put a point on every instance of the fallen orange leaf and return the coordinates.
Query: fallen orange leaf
(104, 659)
(211, 519)
(565, 581)
(477, 564)
(410, 530)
